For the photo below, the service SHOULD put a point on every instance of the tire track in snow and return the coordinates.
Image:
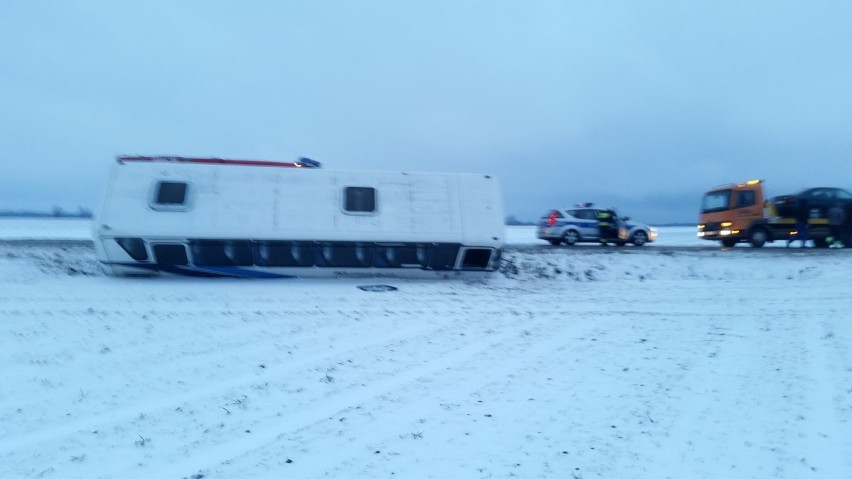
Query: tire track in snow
(181, 352)
(278, 429)
(183, 305)
(376, 425)
(691, 416)
(727, 424)
(76, 435)
(823, 441)
(381, 427)
(128, 411)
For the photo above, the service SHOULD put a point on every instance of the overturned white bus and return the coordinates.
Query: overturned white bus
(262, 219)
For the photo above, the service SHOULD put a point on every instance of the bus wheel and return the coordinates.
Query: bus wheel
(758, 237)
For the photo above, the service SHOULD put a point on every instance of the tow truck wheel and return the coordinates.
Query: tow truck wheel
(758, 237)
(570, 237)
(729, 242)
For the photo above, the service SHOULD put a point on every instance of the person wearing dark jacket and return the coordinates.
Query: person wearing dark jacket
(802, 214)
(837, 223)
(607, 221)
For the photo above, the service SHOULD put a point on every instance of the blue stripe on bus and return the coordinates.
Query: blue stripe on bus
(237, 272)
(207, 272)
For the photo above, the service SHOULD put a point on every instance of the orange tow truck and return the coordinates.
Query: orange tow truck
(739, 213)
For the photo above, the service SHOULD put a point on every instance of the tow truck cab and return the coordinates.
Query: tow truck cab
(740, 213)
(728, 212)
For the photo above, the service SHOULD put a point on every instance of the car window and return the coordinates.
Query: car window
(817, 193)
(843, 194)
(584, 214)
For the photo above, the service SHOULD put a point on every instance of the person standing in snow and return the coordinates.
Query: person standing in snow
(837, 222)
(606, 225)
(802, 214)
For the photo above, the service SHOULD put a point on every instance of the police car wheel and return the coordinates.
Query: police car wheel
(639, 238)
(570, 237)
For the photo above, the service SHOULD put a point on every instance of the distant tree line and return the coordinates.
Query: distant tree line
(55, 212)
(512, 221)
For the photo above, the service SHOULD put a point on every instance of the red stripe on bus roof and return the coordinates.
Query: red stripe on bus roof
(211, 161)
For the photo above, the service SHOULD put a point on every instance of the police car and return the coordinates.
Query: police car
(580, 224)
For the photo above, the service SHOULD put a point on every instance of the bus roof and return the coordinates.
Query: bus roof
(301, 163)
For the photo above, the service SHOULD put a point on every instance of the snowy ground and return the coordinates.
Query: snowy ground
(571, 363)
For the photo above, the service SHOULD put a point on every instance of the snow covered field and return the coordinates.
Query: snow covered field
(571, 363)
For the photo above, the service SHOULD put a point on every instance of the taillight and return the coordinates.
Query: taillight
(551, 220)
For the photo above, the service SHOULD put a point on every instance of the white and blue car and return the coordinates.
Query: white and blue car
(580, 224)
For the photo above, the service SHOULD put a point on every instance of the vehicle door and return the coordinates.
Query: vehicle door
(747, 208)
(819, 200)
(588, 219)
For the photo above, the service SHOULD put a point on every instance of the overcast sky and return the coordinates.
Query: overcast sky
(637, 105)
